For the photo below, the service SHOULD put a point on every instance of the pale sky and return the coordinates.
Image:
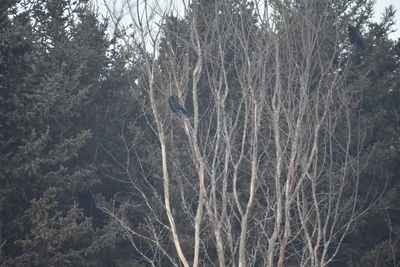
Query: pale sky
(380, 8)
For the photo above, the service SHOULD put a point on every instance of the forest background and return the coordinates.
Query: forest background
(289, 154)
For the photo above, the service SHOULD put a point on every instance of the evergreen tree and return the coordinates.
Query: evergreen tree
(375, 78)
(59, 81)
(79, 136)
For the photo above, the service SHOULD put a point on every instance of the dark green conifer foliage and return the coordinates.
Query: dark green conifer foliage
(376, 79)
(73, 124)
(56, 93)
(57, 237)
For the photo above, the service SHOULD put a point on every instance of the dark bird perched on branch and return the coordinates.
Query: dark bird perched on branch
(355, 36)
(175, 106)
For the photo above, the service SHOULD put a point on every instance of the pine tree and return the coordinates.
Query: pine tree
(56, 94)
(375, 78)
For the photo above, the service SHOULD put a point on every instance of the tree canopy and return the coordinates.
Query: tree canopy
(288, 153)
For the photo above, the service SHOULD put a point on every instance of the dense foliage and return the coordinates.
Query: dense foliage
(74, 136)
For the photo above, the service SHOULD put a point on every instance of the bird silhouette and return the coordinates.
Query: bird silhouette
(175, 106)
(355, 36)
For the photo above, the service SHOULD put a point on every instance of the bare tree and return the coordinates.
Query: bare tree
(265, 170)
